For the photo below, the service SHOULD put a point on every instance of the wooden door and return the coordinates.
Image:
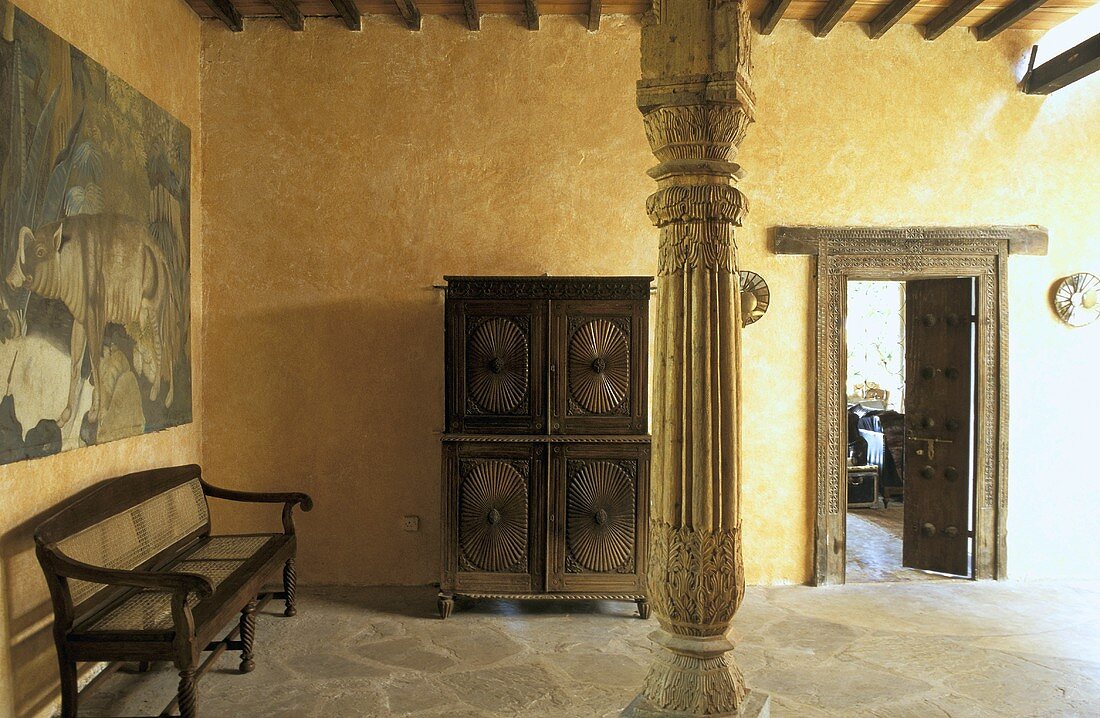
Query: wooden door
(598, 366)
(598, 493)
(496, 361)
(939, 323)
(494, 509)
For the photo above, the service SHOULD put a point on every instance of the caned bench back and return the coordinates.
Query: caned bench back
(128, 523)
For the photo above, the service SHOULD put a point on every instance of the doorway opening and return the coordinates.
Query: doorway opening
(910, 418)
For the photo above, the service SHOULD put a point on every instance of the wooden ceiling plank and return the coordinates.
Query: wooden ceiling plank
(949, 17)
(831, 14)
(531, 11)
(889, 16)
(772, 14)
(410, 11)
(1069, 67)
(473, 15)
(224, 11)
(595, 10)
(349, 12)
(1006, 18)
(290, 13)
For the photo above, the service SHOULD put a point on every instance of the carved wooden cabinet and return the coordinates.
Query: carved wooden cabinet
(546, 453)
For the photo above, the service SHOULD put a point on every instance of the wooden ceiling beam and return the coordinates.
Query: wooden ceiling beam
(773, 13)
(410, 11)
(349, 13)
(948, 17)
(595, 9)
(832, 13)
(473, 15)
(1069, 67)
(1007, 17)
(889, 16)
(290, 13)
(531, 14)
(224, 11)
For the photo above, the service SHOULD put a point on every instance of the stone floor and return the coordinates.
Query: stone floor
(953, 648)
(873, 543)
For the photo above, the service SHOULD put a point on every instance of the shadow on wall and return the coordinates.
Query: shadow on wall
(28, 620)
(343, 400)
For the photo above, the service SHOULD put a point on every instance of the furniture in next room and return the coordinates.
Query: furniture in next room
(135, 575)
(546, 450)
(863, 486)
(884, 432)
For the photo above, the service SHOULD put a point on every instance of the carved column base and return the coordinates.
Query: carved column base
(693, 677)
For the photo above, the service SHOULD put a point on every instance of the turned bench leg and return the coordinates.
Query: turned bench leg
(289, 580)
(186, 693)
(69, 691)
(248, 636)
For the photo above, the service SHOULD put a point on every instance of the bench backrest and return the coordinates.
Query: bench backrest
(135, 521)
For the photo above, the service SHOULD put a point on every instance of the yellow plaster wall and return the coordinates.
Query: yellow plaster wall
(154, 45)
(347, 172)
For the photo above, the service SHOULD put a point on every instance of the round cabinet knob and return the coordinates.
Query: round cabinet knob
(928, 529)
(951, 372)
(927, 472)
(927, 422)
(496, 365)
(599, 365)
(951, 473)
(951, 531)
(601, 517)
(951, 425)
(494, 517)
(929, 320)
(927, 372)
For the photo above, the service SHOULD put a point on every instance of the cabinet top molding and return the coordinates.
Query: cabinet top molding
(489, 287)
(983, 239)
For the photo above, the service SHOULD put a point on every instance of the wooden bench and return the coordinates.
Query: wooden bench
(135, 575)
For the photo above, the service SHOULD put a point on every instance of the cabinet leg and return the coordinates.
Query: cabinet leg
(643, 608)
(446, 605)
(248, 637)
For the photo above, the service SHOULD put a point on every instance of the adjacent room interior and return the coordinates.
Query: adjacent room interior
(399, 358)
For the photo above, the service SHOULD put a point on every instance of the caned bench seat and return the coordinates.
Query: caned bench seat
(135, 574)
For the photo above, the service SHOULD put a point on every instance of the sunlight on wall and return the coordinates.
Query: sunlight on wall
(1072, 32)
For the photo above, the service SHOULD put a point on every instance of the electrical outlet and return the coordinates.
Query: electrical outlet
(411, 523)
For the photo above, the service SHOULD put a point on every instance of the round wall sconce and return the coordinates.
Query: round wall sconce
(1077, 299)
(755, 297)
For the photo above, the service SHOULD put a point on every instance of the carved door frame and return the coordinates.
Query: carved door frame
(900, 253)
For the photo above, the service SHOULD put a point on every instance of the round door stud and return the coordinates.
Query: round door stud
(951, 372)
(929, 320)
(927, 472)
(950, 473)
(951, 531)
(927, 422)
(952, 425)
(927, 372)
(928, 529)
(952, 320)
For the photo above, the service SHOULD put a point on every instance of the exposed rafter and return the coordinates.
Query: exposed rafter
(949, 17)
(772, 14)
(289, 11)
(411, 12)
(889, 17)
(531, 14)
(595, 9)
(832, 13)
(1009, 16)
(473, 16)
(228, 14)
(349, 12)
(1072, 65)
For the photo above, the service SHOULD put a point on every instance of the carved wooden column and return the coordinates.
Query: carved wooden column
(695, 98)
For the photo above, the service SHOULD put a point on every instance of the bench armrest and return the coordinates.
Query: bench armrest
(167, 581)
(288, 499)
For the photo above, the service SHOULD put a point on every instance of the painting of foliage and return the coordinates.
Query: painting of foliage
(94, 251)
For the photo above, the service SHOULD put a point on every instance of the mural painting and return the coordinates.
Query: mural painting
(94, 251)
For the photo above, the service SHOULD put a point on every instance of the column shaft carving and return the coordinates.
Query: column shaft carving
(696, 103)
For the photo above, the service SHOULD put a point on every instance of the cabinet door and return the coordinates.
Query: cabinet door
(598, 367)
(494, 504)
(496, 366)
(598, 513)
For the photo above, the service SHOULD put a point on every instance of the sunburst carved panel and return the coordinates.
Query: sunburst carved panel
(493, 510)
(600, 517)
(599, 367)
(498, 366)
